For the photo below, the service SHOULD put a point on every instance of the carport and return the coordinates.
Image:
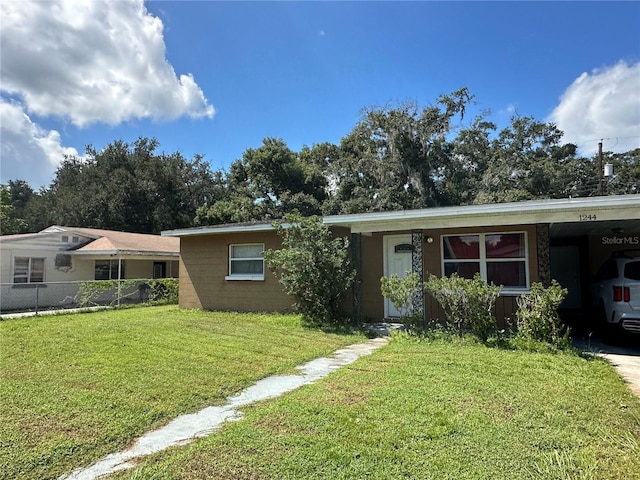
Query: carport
(578, 249)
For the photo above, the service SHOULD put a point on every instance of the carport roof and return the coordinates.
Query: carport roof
(575, 216)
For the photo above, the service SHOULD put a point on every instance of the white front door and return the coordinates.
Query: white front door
(397, 261)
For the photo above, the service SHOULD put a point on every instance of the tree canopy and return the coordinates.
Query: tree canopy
(396, 157)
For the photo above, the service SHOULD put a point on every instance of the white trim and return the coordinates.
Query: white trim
(216, 229)
(568, 210)
(252, 278)
(103, 253)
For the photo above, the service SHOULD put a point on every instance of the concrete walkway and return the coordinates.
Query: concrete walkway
(187, 428)
(624, 358)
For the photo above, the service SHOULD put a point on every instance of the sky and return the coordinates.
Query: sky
(214, 78)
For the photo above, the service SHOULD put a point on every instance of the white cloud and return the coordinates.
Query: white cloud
(92, 61)
(602, 105)
(28, 152)
(85, 62)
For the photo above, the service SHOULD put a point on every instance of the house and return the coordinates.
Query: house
(58, 255)
(510, 244)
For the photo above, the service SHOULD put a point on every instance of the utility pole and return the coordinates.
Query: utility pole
(600, 168)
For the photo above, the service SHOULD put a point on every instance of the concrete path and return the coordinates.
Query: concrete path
(624, 358)
(187, 428)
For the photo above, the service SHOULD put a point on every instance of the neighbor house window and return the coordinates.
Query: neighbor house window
(246, 262)
(500, 258)
(108, 270)
(28, 270)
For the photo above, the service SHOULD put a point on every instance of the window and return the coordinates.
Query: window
(246, 262)
(28, 270)
(500, 258)
(632, 271)
(108, 270)
(607, 271)
(64, 238)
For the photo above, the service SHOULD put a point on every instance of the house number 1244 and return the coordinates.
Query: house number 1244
(588, 218)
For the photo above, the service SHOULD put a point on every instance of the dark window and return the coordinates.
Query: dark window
(607, 271)
(108, 270)
(632, 271)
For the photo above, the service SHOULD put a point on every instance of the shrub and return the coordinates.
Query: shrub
(313, 267)
(538, 317)
(164, 290)
(468, 303)
(402, 292)
(91, 291)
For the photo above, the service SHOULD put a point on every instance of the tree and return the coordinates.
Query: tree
(313, 267)
(10, 223)
(467, 157)
(392, 158)
(527, 161)
(131, 187)
(626, 173)
(267, 183)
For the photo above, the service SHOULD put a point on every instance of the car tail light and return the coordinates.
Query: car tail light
(621, 294)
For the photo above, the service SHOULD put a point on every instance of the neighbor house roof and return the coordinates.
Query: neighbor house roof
(582, 211)
(125, 242)
(110, 242)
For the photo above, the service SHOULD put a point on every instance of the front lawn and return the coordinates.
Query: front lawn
(430, 410)
(76, 387)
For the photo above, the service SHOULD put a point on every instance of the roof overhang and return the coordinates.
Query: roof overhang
(580, 211)
(121, 253)
(218, 229)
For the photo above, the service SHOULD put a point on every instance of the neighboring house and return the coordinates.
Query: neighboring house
(71, 254)
(510, 244)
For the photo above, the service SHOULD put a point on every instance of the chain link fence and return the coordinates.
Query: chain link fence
(37, 297)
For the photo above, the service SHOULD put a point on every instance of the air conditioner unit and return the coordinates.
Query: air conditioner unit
(63, 260)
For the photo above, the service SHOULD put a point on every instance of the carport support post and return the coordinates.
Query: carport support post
(544, 254)
(417, 240)
(356, 261)
(119, 278)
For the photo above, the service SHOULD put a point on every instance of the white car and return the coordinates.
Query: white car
(615, 293)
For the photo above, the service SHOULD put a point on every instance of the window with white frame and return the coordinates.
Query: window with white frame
(246, 262)
(28, 270)
(500, 258)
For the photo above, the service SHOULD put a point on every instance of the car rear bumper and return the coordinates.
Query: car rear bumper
(631, 325)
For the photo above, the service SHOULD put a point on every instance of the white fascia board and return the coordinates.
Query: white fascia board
(518, 213)
(125, 253)
(614, 207)
(215, 230)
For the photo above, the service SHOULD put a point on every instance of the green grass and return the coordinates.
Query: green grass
(74, 388)
(430, 410)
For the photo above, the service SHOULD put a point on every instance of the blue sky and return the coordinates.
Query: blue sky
(215, 78)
